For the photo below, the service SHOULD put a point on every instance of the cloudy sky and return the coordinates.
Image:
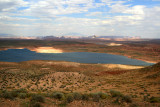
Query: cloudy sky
(88, 17)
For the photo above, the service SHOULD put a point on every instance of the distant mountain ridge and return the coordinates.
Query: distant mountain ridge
(6, 35)
(72, 35)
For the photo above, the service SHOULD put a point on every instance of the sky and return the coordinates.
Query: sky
(87, 17)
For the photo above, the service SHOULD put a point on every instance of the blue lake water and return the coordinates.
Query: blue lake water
(19, 55)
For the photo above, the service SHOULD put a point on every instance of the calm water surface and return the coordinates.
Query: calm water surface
(19, 55)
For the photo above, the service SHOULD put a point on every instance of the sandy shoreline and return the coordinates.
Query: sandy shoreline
(46, 50)
(121, 66)
(40, 49)
(143, 60)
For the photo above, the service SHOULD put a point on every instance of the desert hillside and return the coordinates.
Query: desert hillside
(131, 84)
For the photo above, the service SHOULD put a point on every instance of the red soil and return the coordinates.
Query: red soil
(110, 73)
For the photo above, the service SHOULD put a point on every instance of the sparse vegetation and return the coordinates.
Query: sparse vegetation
(154, 99)
(126, 99)
(7, 95)
(86, 83)
(58, 95)
(115, 93)
(77, 96)
(69, 97)
(22, 95)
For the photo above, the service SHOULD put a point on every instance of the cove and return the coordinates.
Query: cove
(19, 55)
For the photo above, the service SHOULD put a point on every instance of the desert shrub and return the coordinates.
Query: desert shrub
(37, 98)
(24, 104)
(69, 98)
(22, 95)
(145, 98)
(29, 94)
(58, 95)
(154, 100)
(62, 86)
(22, 90)
(115, 93)
(134, 105)
(63, 104)
(96, 97)
(7, 95)
(35, 104)
(85, 97)
(77, 96)
(134, 96)
(14, 93)
(117, 100)
(102, 95)
(127, 99)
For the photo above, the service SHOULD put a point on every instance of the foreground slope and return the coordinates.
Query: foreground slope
(140, 84)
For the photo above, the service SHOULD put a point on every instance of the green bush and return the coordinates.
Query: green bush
(29, 94)
(96, 97)
(7, 95)
(62, 86)
(115, 93)
(117, 100)
(69, 98)
(127, 99)
(134, 105)
(22, 95)
(14, 93)
(37, 98)
(35, 104)
(77, 96)
(85, 97)
(22, 90)
(24, 103)
(154, 100)
(58, 95)
(102, 95)
(145, 98)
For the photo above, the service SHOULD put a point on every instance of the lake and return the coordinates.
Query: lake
(19, 55)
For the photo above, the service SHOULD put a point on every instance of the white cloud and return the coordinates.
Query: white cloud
(138, 9)
(112, 2)
(10, 5)
(130, 15)
(127, 9)
(52, 8)
(50, 18)
(95, 14)
(7, 18)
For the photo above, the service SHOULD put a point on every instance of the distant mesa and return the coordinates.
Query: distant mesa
(69, 36)
(120, 38)
(81, 36)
